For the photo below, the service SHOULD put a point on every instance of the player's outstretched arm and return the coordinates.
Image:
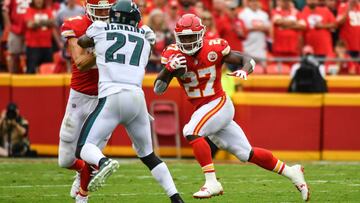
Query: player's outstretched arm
(84, 61)
(236, 58)
(162, 81)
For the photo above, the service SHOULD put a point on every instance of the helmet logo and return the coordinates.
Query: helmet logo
(103, 2)
(212, 56)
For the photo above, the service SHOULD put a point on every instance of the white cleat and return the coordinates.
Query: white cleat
(108, 168)
(299, 182)
(209, 190)
(81, 199)
(75, 186)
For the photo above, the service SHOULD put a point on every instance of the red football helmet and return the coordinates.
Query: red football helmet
(189, 33)
(98, 9)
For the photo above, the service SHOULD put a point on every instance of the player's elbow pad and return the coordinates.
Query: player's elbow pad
(160, 87)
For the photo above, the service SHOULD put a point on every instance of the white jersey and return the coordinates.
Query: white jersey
(122, 53)
(255, 43)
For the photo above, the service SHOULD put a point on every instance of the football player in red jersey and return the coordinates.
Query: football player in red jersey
(197, 62)
(83, 95)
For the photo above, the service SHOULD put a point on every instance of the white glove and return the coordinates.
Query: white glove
(149, 34)
(177, 62)
(239, 73)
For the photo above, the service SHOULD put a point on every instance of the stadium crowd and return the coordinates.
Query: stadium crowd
(31, 39)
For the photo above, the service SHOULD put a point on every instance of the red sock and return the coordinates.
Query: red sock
(78, 165)
(85, 179)
(202, 151)
(265, 159)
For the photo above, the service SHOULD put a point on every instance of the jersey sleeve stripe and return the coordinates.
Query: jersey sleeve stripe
(164, 60)
(68, 33)
(209, 115)
(226, 51)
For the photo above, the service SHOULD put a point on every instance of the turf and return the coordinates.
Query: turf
(40, 180)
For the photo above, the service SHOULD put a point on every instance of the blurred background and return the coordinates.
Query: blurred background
(302, 102)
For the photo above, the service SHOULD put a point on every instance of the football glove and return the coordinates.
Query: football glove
(176, 62)
(239, 73)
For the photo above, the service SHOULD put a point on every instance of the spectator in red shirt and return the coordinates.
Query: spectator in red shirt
(208, 21)
(199, 8)
(286, 27)
(13, 13)
(332, 6)
(157, 4)
(172, 14)
(319, 24)
(341, 67)
(231, 27)
(144, 10)
(38, 37)
(349, 21)
(163, 38)
(219, 8)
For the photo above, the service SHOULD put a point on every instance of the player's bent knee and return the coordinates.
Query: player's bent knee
(242, 154)
(151, 160)
(66, 136)
(191, 138)
(65, 160)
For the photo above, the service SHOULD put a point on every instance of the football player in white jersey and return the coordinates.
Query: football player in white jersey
(122, 52)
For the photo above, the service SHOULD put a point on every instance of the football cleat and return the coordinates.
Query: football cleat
(105, 170)
(75, 186)
(209, 190)
(81, 199)
(299, 182)
(176, 198)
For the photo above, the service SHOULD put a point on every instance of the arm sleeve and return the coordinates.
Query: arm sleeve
(224, 47)
(28, 16)
(341, 11)
(167, 55)
(93, 29)
(67, 30)
(331, 17)
(6, 5)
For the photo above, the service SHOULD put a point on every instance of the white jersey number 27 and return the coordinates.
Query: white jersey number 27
(192, 89)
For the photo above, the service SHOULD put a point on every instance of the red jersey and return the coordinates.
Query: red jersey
(85, 82)
(350, 30)
(42, 36)
(17, 10)
(209, 34)
(319, 39)
(202, 81)
(285, 40)
(229, 28)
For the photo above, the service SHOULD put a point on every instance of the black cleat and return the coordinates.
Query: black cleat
(176, 198)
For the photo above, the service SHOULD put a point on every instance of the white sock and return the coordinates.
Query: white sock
(210, 177)
(287, 172)
(162, 175)
(91, 154)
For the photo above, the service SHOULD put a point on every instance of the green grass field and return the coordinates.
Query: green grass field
(41, 180)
